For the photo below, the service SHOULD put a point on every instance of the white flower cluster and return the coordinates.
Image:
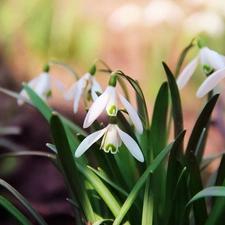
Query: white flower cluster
(87, 86)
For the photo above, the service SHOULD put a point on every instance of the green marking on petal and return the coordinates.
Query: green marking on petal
(207, 69)
(111, 148)
(112, 110)
(49, 94)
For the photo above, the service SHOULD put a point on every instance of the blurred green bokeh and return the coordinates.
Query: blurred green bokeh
(46, 28)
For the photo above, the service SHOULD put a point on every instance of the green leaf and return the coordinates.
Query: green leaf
(14, 211)
(195, 185)
(103, 221)
(159, 120)
(200, 124)
(70, 171)
(216, 217)
(217, 210)
(136, 190)
(24, 202)
(100, 188)
(148, 204)
(174, 171)
(182, 57)
(28, 153)
(140, 98)
(211, 191)
(221, 172)
(14, 95)
(104, 177)
(176, 104)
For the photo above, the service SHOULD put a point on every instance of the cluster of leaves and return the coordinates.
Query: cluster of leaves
(166, 189)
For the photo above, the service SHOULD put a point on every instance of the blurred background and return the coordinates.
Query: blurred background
(133, 36)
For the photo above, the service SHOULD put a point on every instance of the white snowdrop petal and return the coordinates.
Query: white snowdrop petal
(43, 85)
(132, 113)
(212, 58)
(95, 88)
(131, 145)
(88, 141)
(70, 94)
(23, 93)
(112, 105)
(96, 109)
(59, 85)
(210, 82)
(187, 72)
(111, 140)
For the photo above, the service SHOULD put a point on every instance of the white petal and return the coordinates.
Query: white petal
(43, 86)
(59, 85)
(210, 82)
(88, 141)
(70, 94)
(97, 108)
(133, 114)
(111, 139)
(23, 93)
(187, 73)
(95, 88)
(212, 58)
(131, 145)
(79, 92)
(112, 105)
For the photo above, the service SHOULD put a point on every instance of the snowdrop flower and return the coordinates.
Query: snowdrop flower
(86, 86)
(211, 82)
(113, 137)
(212, 64)
(108, 101)
(42, 85)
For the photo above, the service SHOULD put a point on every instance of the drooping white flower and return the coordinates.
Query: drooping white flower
(42, 85)
(112, 139)
(211, 61)
(86, 86)
(108, 101)
(211, 82)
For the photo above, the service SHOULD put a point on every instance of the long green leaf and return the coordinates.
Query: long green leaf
(24, 202)
(14, 211)
(200, 124)
(216, 212)
(159, 120)
(195, 185)
(176, 104)
(100, 188)
(148, 204)
(182, 57)
(174, 171)
(140, 97)
(72, 174)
